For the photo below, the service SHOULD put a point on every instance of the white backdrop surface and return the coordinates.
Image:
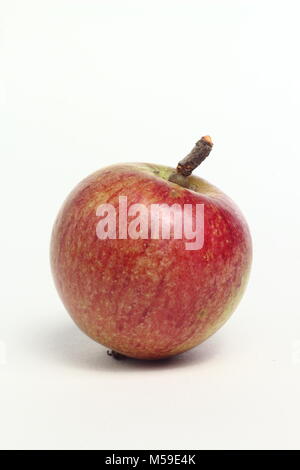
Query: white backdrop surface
(89, 83)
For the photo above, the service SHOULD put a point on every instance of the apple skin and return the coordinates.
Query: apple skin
(149, 299)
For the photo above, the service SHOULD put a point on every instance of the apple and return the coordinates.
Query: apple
(145, 296)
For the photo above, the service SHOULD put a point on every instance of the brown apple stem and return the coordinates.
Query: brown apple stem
(116, 355)
(187, 165)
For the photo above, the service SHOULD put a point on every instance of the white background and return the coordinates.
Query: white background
(86, 83)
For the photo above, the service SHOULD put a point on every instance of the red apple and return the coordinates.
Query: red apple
(149, 298)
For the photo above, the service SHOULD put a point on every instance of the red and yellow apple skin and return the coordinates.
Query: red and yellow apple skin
(147, 298)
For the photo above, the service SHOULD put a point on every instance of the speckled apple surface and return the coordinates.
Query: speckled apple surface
(149, 299)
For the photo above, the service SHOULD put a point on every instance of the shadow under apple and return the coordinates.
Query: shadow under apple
(65, 343)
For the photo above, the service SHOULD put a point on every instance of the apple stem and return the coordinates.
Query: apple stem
(197, 155)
